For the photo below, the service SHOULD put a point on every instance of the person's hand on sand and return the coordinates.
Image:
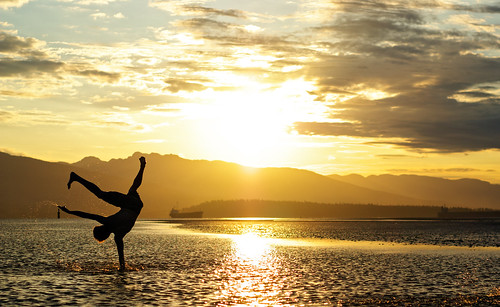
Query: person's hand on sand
(143, 160)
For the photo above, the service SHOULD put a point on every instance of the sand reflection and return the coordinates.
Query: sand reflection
(251, 273)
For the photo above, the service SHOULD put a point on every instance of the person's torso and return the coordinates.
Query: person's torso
(122, 221)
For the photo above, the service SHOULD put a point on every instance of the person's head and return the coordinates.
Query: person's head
(101, 233)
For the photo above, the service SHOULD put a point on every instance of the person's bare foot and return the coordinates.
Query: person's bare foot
(72, 177)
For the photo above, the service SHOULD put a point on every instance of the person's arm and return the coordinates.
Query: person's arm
(138, 179)
(85, 215)
(119, 246)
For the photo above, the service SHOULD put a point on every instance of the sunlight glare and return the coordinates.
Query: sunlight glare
(250, 246)
(252, 125)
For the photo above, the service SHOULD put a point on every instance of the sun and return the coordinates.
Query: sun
(252, 126)
(249, 129)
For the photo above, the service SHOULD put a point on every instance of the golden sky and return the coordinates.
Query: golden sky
(367, 87)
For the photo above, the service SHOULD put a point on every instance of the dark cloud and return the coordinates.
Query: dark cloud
(225, 33)
(34, 68)
(27, 68)
(11, 44)
(196, 9)
(476, 94)
(477, 8)
(420, 121)
(31, 65)
(389, 48)
(407, 7)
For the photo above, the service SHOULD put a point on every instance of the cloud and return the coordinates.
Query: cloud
(27, 68)
(466, 129)
(474, 23)
(11, 43)
(206, 11)
(175, 85)
(194, 8)
(98, 15)
(28, 60)
(97, 75)
(476, 8)
(119, 120)
(5, 115)
(32, 117)
(96, 2)
(225, 33)
(418, 71)
(20, 94)
(29, 47)
(35, 68)
(7, 4)
(418, 74)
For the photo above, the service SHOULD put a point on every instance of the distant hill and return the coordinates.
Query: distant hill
(470, 193)
(291, 209)
(30, 187)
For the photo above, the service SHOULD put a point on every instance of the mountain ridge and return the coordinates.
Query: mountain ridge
(469, 192)
(31, 187)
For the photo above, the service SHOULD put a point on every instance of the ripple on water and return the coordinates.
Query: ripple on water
(169, 267)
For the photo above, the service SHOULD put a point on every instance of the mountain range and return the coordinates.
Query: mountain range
(31, 188)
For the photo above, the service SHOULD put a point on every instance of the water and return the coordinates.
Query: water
(57, 262)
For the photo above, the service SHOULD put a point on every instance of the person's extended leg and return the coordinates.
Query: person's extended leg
(84, 215)
(87, 184)
(113, 198)
(121, 256)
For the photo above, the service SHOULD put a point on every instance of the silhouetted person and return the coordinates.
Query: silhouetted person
(120, 223)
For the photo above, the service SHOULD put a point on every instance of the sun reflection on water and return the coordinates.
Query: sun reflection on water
(251, 273)
(250, 247)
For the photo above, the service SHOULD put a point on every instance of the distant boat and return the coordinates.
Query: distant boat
(176, 214)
